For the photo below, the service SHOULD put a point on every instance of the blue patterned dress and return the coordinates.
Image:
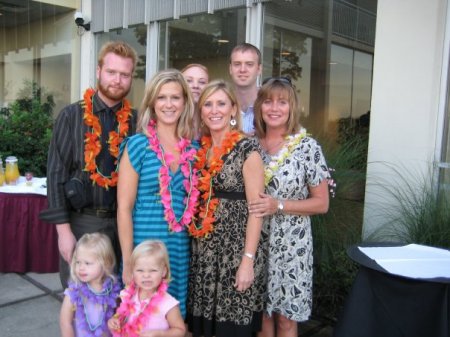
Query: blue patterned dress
(148, 213)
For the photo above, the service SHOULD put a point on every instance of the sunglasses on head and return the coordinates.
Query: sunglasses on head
(282, 79)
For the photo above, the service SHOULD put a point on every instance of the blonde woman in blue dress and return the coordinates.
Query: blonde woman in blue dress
(296, 178)
(156, 192)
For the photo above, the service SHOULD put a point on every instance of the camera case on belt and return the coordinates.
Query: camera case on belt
(76, 192)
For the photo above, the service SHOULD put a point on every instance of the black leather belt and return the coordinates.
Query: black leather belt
(230, 195)
(99, 213)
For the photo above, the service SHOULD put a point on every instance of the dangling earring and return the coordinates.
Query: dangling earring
(202, 124)
(232, 122)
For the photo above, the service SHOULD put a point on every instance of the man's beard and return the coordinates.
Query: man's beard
(118, 96)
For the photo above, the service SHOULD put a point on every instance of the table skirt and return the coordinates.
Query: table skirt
(382, 305)
(26, 243)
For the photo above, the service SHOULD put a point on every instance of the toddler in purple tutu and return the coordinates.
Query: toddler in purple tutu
(92, 294)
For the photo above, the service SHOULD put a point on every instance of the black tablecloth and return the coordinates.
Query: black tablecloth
(26, 243)
(384, 305)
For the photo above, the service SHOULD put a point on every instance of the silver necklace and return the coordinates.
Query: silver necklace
(269, 149)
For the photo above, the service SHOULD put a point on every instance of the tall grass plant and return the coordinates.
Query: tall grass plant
(412, 210)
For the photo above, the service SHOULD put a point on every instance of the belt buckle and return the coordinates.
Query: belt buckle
(102, 213)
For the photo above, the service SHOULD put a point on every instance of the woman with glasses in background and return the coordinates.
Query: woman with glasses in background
(296, 185)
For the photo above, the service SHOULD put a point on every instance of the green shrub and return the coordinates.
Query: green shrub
(25, 129)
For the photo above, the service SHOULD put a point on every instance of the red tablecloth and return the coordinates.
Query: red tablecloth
(26, 243)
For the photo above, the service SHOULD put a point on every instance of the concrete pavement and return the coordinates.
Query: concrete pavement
(29, 305)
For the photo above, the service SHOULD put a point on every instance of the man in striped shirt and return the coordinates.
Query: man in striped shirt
(81, 197)
(245, 67)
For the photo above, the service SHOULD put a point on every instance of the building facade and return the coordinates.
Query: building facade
(325, 46)
(351, 61)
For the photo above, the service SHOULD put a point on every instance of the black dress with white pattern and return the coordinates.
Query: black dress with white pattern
(215, 307)
(290, 264)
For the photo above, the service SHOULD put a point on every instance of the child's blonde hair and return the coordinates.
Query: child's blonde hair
(153, 248)
(100, 245)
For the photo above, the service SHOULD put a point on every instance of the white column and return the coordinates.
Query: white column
(254, 25)
(406, 108)
(88, 57)
(152, 50)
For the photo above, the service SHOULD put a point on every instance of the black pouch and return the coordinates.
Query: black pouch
(76, 193)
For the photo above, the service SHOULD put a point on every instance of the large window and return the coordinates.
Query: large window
(350, 86)
(206, 39)
(326, 47)
(289, 53)
(330, 62)
(39, 44)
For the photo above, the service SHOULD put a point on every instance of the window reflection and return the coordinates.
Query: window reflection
(350, 82)
(207, 39)
(38, 43)
(350, 86)
(288, 53)
(334, 80)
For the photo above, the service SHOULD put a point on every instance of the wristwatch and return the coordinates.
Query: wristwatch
(249, 255)
(280, 206)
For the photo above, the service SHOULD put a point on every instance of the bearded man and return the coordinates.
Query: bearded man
(83, 153)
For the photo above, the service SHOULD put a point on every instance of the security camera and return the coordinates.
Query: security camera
(78, 16)
(79, 21)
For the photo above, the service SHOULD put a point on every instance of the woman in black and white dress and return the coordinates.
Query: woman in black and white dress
(296, 178)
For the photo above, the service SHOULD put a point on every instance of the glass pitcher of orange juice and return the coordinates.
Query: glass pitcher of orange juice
(2, 173)
(11, 170)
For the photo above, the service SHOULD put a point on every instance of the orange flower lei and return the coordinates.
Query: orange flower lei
(93, 146)
(209, 204)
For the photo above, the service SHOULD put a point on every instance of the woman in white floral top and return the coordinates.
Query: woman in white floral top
(296, 177)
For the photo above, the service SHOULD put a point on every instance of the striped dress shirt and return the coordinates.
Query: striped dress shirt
(66, 159)
(247, 120)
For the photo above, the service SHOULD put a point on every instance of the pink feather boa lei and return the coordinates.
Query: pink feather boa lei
(131, 324)
(190, 179)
